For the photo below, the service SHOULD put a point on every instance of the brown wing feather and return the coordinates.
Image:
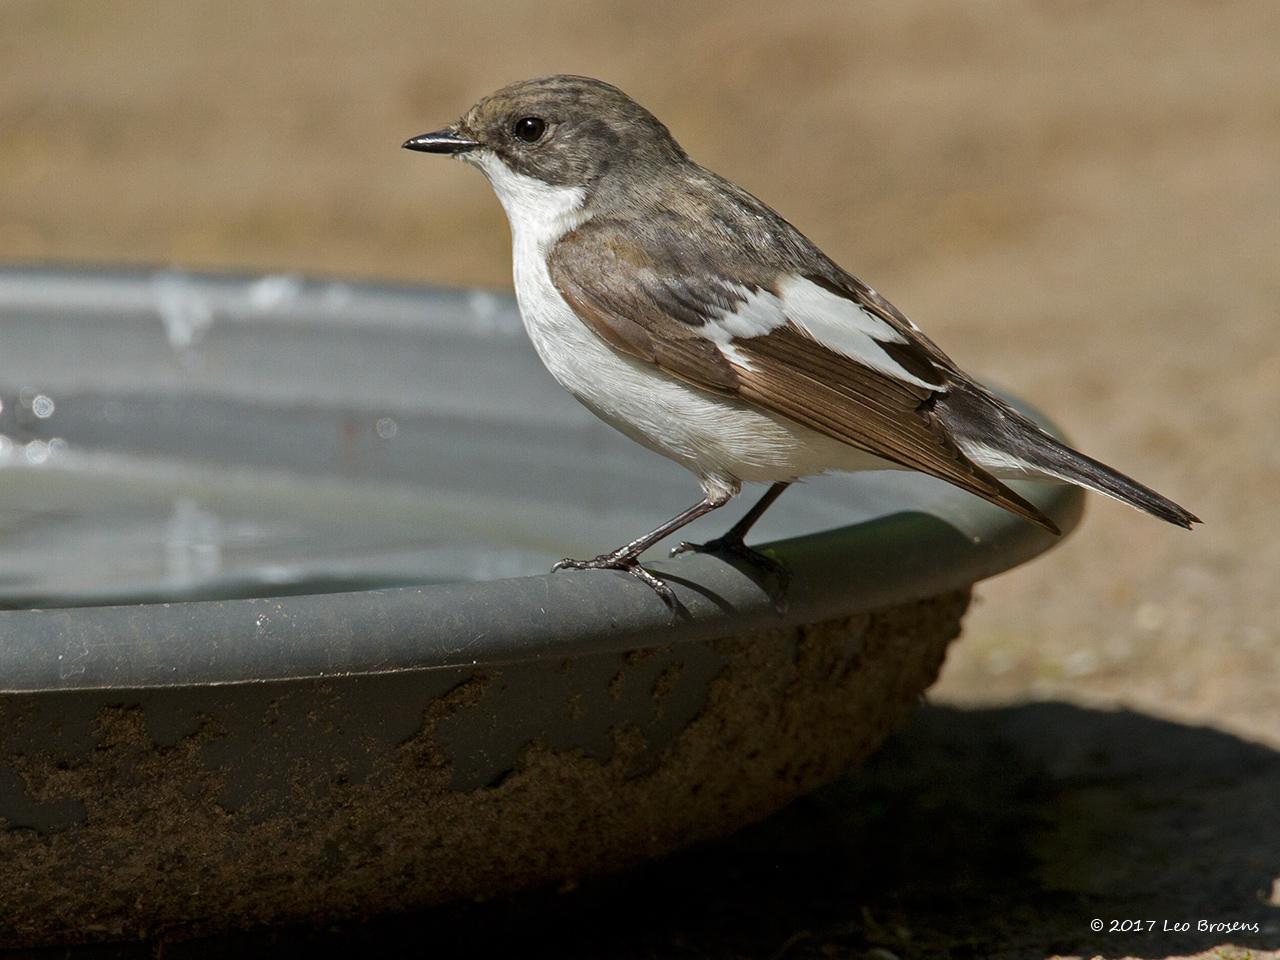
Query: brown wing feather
(798, 378)
(623, 293)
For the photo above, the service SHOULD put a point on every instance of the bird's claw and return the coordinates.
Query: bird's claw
(610, 561)
(735, 548)
(687, 546)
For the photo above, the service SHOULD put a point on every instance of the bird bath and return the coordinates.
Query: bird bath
(278, 641)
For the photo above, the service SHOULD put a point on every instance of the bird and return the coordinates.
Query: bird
(690, 316)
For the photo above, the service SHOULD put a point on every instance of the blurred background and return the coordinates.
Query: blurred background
(1079, 201)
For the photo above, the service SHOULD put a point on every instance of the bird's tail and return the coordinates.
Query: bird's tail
(1009, 445)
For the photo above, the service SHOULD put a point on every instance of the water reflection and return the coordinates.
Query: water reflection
(42, 406)
(274, 291)
(36, 452)
(192, 544)
(82, 528)
(184, 310)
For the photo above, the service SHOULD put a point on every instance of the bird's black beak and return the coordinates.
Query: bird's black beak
(441, 141)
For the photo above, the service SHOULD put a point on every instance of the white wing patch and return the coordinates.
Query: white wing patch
(835, 322)
(760, 312)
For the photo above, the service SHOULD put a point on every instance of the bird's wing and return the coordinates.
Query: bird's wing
(823, 349)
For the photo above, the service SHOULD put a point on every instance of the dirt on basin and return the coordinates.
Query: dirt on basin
(170, 842)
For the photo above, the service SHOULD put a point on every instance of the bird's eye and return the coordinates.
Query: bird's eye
(529, 129)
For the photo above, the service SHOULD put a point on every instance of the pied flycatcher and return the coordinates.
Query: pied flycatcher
(684, 312)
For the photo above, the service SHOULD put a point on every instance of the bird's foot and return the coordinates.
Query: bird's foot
(627, 564)
(735, 549)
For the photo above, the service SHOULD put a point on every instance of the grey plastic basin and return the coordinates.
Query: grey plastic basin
(277, 638)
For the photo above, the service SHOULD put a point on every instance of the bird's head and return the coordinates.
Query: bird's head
(560, 131)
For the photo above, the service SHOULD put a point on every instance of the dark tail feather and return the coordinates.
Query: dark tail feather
(987, 421)
(1059, 460)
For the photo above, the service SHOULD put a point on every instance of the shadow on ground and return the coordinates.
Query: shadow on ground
(975, 833)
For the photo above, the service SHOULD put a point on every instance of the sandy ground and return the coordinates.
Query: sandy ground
(1080, 201)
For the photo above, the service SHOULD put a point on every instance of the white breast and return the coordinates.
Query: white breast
(722, 441)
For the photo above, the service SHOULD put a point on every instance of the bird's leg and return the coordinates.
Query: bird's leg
(626, 557)
(734, 544)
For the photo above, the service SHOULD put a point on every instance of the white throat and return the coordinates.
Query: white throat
(539, 213)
